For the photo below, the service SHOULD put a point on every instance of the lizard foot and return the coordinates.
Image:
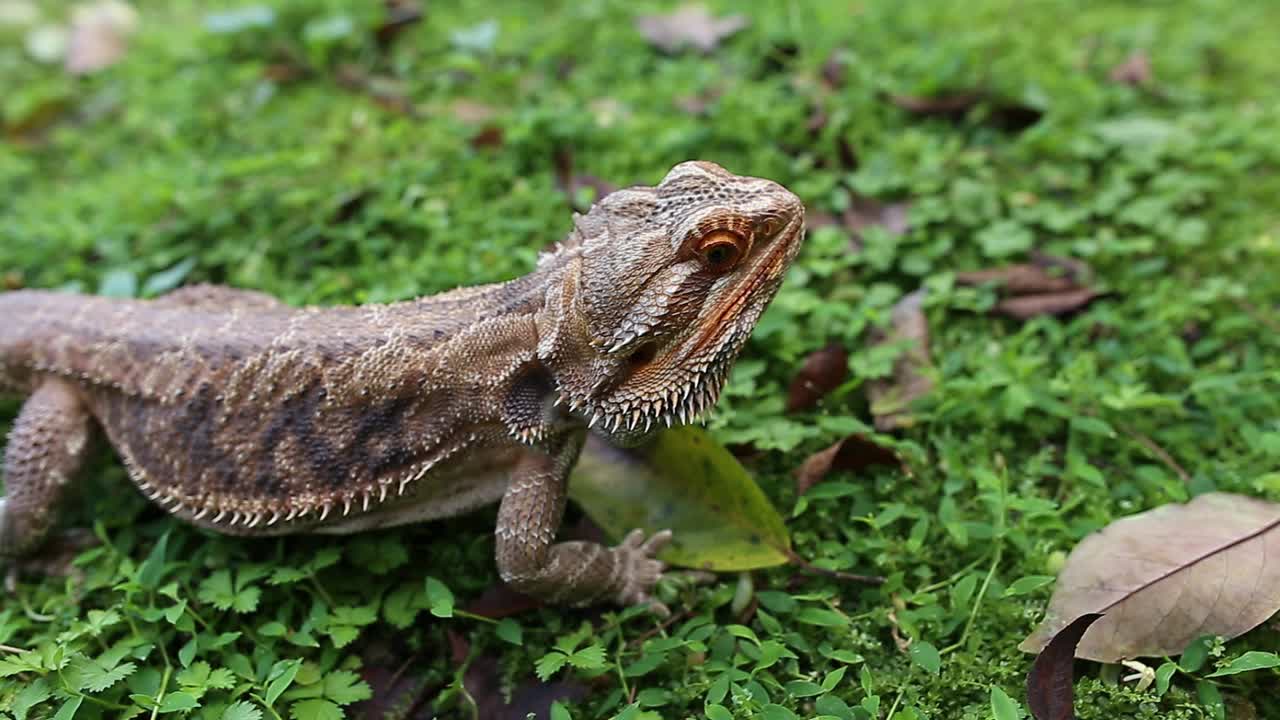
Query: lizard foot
(641, 570)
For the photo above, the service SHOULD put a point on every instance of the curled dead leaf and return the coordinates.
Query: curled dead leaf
(1018, 279)
(1134, 71)
(891, 397)
(1048, 285)
(955, 106)
(570, 181)
(821, 372)
(400, 15)
(1051, 682)
(688, 26)
(1058, 303)
(851, 453)
(1169, 575)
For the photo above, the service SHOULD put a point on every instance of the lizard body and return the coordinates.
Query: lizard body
(241, 414)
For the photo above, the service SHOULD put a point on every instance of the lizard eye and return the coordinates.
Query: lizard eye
(721, 250)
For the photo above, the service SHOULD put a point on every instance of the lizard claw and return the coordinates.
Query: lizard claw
(640, 570)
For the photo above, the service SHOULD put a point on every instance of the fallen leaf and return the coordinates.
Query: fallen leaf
(471, 112)
(1051, 682)
(99, 35)
(1019, 279)
(891, 397)
(1059, 303)
(688, 26)
(864, 213)
(684, 481)
(852, 453)
(952, 105)
(821, 372)
(956, 106)
(1169, 575)
(571, 182)
(400, 15)
(833, 70)
(1134, 71)
(387, 92)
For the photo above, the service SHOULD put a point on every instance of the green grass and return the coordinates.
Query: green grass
(186, 153)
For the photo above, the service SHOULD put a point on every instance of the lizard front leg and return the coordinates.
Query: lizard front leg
(567, 573)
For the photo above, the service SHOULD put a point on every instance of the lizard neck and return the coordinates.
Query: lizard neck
(580, 369)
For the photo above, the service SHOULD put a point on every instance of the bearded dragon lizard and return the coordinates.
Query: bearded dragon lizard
(247, 416)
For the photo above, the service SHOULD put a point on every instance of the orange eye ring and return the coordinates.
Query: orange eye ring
(721, 250)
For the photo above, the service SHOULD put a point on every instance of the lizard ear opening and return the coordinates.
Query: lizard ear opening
(642, 355)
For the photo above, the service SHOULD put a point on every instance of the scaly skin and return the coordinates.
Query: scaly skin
(246, 416)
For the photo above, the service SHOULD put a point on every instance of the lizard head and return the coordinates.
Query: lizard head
(662, 286)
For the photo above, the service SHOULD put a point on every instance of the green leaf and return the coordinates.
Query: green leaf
(95, 678)
(773, 711)
(1164, 674)
(28, 697)
(151, 572)
(242, 710)
(1028, 584)
(1197, 652)
(821, 617)
(69, 708)
(168, 279)
(510, 631)
(281, 677)
(686, 482)
(187, 652)
(1092, 426)
(315, 709)
(558, 712)
(590, 657)
(926, 656)
(439, 598)
(345, 687)
(1211, 699)
(178, 702)
(550, 664)
(1004, 707)
(118, 283)
(1248, 662)
(717, 712)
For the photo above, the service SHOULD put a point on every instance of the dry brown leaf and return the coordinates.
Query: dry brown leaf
(1018, 279)
(821, 372)
(955, 105)
(1051, 683)
(571, 181)
(1059, 303)
(688, 26)
(401, 14)
(865, 212)
(1169, 575)
(99, 35)
(851, 453)
(1135, 70)
(891, 397)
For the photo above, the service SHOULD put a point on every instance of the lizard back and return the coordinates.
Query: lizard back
(249, 405)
